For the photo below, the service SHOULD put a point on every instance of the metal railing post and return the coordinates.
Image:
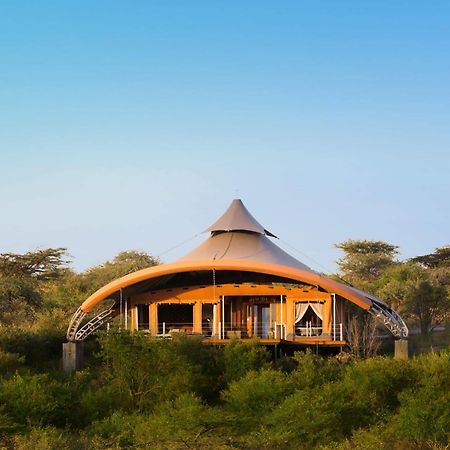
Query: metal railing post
(223, 316)
(334, 316)
(281, 317)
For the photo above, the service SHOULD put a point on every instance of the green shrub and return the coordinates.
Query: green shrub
(40, 348)
(383, 379)
(242, 356)
(115, 431)
(250, 398)
(147, 370)
(205, 363)
(41, 400)
(182, 423)
(424, 412)
(313, 370)
(10, 362)
(47, 438)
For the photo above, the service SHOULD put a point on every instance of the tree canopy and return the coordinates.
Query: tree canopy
(364, 261)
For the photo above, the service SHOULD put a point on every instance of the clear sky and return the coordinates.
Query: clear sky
(133, 124)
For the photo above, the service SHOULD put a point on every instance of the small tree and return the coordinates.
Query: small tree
(362, 338)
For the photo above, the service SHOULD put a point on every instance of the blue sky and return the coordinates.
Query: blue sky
(132, 125)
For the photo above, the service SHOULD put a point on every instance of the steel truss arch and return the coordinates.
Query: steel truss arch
(391, 320)
(94, 324)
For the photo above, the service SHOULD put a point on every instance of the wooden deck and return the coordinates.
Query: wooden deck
(322, 341)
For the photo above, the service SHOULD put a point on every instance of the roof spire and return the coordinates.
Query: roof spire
(238, 218)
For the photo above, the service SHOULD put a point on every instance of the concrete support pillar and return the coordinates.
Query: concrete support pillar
(402, 349)
(73, 356)
(197, 318)
(153, 318)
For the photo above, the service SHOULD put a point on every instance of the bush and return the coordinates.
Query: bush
(424, 412)
(252, 397)
(40, 400)
(313, 370)
(10, 362)
(115, 431)
(147, 370)
(40, 348)
(48, 438)
(242, 356)
(182, 423)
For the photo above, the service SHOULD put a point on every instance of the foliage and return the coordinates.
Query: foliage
(147, 370)
(251, 397)
(46, 438)
(365, 260)
(10, 362)
(242, 356)
(414, 291)
(43, 265)
(122, 264)
(22, 281)
(313, 370)
(182, 423)
(418, 288)
(439, 258)
(143, 392)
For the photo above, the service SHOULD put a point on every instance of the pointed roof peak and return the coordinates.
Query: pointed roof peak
(238, 218)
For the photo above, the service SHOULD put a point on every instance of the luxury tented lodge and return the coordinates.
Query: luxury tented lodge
(237, 284)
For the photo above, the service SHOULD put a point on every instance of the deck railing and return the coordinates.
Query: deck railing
(168, 328)
(337, 332)
(229, 330)
(308, 330)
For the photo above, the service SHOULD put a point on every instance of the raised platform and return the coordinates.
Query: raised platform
(324, 342)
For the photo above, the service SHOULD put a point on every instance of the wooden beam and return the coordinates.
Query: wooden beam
(212, 294)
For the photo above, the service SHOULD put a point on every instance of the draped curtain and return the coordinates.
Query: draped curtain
(300, 310)
(317, 308)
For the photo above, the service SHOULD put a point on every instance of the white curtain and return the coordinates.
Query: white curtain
(300, 310)
(317, 308)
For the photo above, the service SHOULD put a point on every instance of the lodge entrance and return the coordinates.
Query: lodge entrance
(248, 316)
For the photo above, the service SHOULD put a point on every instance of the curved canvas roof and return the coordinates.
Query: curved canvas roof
(245, 246)
(292, 273)
(238, 235)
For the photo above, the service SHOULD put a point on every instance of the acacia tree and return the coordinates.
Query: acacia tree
(364, 261)
(439, 259)
(23, 278)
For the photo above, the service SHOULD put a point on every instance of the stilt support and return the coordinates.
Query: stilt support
(72, 356)
(402, 349)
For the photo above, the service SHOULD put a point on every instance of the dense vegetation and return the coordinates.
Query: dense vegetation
(139, 392)
(148, 393)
